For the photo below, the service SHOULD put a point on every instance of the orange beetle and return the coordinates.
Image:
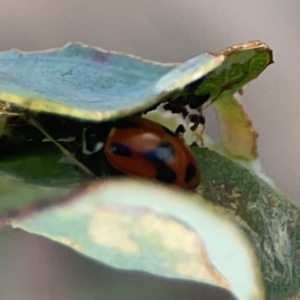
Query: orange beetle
(143, 148)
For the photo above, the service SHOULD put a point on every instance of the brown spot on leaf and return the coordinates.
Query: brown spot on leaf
(271, 203)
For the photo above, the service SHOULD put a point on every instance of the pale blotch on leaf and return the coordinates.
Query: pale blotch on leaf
(174, 245)
(185, 246)
(109, 228)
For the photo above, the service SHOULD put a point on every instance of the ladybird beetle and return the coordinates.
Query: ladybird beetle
(141, 147)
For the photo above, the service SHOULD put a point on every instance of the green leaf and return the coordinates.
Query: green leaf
(270, 220)
(147, 227)
(89, 83)
(40, 174)
(242, 64)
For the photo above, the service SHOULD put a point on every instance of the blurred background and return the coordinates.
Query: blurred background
(167, 31)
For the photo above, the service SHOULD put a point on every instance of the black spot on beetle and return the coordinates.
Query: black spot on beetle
(190, 173)
(119, 149)
(162, 153)
(165, 174)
